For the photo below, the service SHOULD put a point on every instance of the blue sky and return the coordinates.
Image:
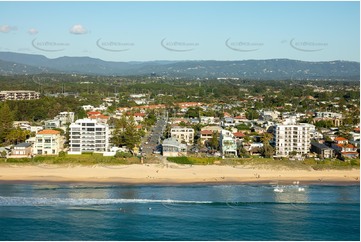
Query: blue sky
(142, 31)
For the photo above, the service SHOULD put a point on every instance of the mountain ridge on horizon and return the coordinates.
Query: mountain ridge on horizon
(278, 68)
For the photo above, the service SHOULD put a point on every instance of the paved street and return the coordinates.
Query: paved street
(152, 140)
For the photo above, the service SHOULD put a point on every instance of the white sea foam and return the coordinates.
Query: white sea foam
(24, 201)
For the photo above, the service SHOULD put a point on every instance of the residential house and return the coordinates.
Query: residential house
(206, 132)
(239, 136)
(87, 107)
(240, 119)
(60, 121)
(171, 147)
(210, 120)
(98, 116)
(52, 124)
(322, 150)
(65, 118)
(48, 142)
(269, 115)
(343, 148)
(139, 117)
(206, 135)
(21, 150)
(328, 115)
(228, 143)
(228, 122)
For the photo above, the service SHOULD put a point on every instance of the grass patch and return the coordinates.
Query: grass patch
(193, 160)
(87, 159)
(259, 162)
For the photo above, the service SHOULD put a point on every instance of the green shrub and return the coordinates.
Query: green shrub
(122, 154)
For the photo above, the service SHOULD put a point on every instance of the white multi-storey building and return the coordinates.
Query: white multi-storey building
(228, 143)
(290, 138)
(327, 115)
(86, 135)
(19, 95)
(182, 134)
(48, 142)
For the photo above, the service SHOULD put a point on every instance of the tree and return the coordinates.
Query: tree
(125, 133)
(6, 121)
(118, 138)
(18, 135)
(214, 142)
(252, 114)
(267, 150)
(131, 135)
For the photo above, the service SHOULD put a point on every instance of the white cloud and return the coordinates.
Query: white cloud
(7, 28)
(33, 31)
(78, 29)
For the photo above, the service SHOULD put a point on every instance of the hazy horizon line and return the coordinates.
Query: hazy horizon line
(169, 60)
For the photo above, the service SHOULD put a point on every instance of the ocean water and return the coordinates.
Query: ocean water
(182, 212)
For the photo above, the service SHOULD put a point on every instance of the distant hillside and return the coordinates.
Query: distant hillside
(275, 69)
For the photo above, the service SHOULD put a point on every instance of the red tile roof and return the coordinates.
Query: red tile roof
(189, 104)
(239, 134)
(49, 131)
(340, 139)
(139, 114)
(91, 113)
(206, 132)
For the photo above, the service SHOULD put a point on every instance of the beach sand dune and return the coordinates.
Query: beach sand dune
(173, 174)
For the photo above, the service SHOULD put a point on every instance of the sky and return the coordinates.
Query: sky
(146, 31)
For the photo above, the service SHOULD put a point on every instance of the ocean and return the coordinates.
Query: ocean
(179, 212)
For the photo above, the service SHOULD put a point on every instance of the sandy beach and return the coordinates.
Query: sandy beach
(172, 174)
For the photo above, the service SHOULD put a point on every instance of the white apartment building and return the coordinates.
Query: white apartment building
(228, 143)
(19, 95)
(48, 142)
(327, 115)
(182, 134)
(86, 135)
(290, 138)
(65, 117)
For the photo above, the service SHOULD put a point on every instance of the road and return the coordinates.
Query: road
(152, 140)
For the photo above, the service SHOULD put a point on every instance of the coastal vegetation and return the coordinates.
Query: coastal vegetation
(260, 162)
(90, 159)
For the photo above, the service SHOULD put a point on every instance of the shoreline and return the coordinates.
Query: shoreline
(173, 174)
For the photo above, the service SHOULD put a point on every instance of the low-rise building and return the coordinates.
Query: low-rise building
(207, 132)
(327, 115)
(52, 124)
(210, 120)
(21, 150)
(183, 134)
(344, 148)
(322, 150)
(65, 117)
(171, 147)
